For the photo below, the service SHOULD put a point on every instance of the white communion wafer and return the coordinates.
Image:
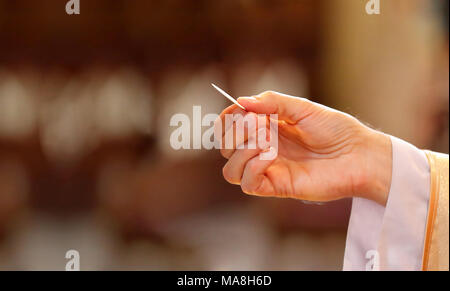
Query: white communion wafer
(228, 96)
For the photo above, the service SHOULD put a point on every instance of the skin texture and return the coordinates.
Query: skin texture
(323, 154)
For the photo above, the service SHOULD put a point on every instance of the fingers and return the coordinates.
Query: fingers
(233, 128)
(234, 168)
(290, 109)
(245, 167)
(254, 181)
(221, 127)
(219, 124)
(236, 136)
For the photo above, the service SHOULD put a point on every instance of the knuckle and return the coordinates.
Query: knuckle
(304, 99)
(267, 94)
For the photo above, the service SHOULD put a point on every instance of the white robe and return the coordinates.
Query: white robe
(392, 237)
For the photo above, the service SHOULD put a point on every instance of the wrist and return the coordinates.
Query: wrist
(377, 167)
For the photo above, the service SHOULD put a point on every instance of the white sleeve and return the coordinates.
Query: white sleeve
(392, 237)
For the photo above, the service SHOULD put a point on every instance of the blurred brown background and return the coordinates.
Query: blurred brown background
(85, 104)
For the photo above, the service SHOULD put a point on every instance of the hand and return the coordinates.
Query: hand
(323, 154)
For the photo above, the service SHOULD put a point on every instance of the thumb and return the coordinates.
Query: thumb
(290, 109)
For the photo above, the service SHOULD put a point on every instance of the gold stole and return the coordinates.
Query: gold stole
(435, 255)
